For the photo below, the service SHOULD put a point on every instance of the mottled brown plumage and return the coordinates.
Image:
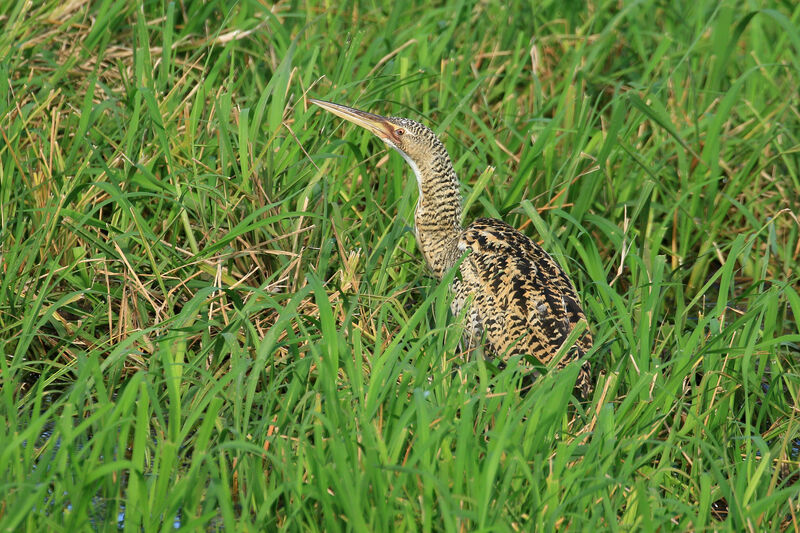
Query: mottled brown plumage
(517, 296)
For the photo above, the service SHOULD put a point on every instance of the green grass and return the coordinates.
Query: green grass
(213, 312)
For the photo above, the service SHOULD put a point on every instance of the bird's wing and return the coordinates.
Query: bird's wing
(525, 302)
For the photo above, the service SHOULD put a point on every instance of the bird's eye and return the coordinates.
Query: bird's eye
(399, 131)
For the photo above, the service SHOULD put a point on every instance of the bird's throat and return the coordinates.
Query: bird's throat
(437, 220)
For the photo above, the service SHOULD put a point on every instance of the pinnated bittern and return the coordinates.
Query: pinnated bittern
(518, 296)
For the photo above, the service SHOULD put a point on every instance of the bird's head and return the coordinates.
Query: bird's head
(415, 142)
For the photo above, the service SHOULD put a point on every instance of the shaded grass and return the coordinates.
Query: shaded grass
(213, 310)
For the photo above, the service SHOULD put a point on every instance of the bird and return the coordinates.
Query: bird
(514, 295)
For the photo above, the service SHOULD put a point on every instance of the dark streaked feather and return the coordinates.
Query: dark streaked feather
(524, 301)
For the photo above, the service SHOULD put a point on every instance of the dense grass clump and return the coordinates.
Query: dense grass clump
(213, 314)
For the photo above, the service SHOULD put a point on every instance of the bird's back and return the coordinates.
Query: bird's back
(521, 298)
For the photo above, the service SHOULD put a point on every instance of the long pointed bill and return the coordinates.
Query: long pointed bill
(377, 124)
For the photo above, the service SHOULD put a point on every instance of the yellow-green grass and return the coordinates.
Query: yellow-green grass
(213, 314)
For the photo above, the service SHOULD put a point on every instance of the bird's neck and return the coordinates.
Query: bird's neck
(437, 220)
